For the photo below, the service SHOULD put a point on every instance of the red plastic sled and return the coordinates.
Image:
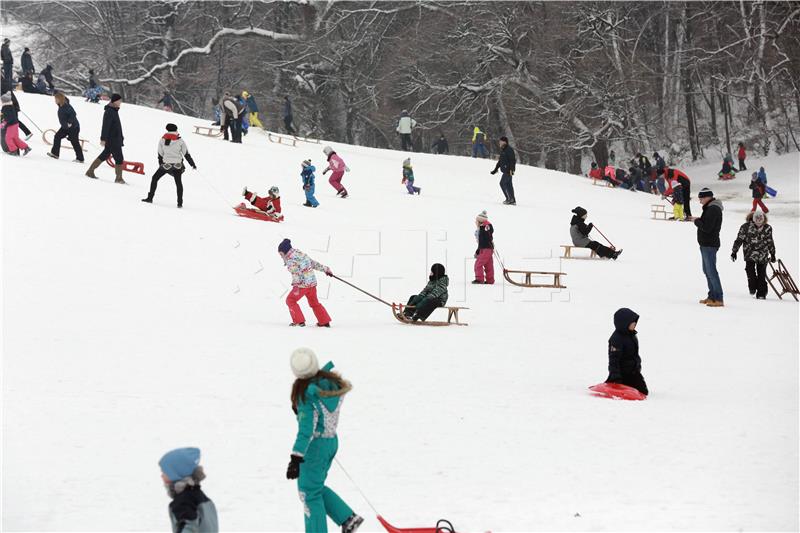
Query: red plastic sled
(442, 526)
(616, 391)
(243, 211)
(128, 166)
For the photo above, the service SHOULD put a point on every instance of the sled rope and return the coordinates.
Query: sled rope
(497, 255)
(32, 122)
(606, 238)
(216, 191)
(365, 292)
(356, 485)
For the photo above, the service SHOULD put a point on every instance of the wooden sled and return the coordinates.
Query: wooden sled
(208, 131)
(659, 212)
(128, 166)
(600, 182)
(305, 140)
(784, 279)
(528, 282)
(279, 139)
(49, 142)
(567, 253)
(452, 316)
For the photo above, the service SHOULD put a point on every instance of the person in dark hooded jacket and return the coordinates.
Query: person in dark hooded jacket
(624, 362)
(190, 510)
(27, 61)
(48, 76)
(112, 139)
(70, 128)
(8, 61)
(709, 225)
(579, 231)
(420, 306)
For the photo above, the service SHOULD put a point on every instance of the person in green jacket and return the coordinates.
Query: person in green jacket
(317, 396)
(420, 306)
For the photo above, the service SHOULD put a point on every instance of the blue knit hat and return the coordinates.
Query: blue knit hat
(180, 463)
(285, 246)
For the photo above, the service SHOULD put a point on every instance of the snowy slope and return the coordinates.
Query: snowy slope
(130, 329)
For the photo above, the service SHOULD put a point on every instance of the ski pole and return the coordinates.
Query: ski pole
(356, 485)
(32, 122)
(606, 238)
(362, 290)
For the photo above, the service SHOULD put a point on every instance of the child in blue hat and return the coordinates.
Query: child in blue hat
(190, 510)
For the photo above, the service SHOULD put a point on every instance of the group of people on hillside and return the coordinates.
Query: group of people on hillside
(236, 113)
(43, 83)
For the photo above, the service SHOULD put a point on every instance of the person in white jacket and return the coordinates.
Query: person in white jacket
(171, 152)
(404, 127)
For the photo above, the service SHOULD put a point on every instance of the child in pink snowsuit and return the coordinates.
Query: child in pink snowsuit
(304, 284)
(16, 146)
(337, 167)
(484, 262)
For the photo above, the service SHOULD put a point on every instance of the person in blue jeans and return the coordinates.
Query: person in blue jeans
(317, 396)
(308, 183)
(708, 228)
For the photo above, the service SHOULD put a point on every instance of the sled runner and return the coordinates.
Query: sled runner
(243, 211)
(442, 526)
(305, 140)
(278, 139)
(208, 131)
(567, 253)
(128, 166)
(50, 141)
(659, 212)
(600, 182)
(784, 279)
(452, 316)
(529, 282)
(616, 391)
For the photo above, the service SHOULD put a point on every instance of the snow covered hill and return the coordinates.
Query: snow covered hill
(130, 329)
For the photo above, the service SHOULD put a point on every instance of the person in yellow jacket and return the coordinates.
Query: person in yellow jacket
(253, 107)
(478, 143)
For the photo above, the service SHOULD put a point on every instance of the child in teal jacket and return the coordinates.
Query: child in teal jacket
(317, 396)
(408, 177)
(308, 183)
(420, 306)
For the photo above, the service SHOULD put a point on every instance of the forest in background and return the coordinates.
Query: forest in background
(564, 81)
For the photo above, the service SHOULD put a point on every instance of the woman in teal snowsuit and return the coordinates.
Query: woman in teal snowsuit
(317, 396)
(308, 183)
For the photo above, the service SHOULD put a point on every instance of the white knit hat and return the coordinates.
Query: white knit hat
(327, 150)
(482, 216)
(304, 363)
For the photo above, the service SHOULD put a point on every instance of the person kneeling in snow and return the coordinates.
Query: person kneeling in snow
(420, 306)
(269, 205)
(171, 151)
(408, 177)
(317, 395)
(304, 283)
(190, 510)
(624, 363)
(579, 231)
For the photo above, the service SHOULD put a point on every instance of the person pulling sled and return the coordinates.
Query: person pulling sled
(304, 284)
(172, 150)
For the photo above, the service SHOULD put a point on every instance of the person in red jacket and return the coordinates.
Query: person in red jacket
(742, 156)
(270, 204)
(595, 173)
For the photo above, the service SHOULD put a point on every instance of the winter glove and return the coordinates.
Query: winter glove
(326, 170)
(733, 256)
(194, 167)
(493, 171)
(328, 272)
(293, 471)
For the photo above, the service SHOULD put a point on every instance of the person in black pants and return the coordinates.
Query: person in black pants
(624, 362)
(70, 128)
(507, 163)
(171, 152)
(112, 140)
(8, 62)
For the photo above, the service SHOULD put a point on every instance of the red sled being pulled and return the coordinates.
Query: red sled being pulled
(128, 166)
(442, 526)
(243, 211)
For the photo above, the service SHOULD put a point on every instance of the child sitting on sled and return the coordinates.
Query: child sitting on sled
(624, 363)
(727, 172)
(408, 177)
(269, 205)
(420, 306)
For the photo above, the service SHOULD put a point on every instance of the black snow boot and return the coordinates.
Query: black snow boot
(352, 524)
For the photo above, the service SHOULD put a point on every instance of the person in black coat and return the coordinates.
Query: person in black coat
(112, 140)
(441, 146)
(70, 128)
(8, 61)
(507, 163)
(48, 76)
(709, 225)
(624, 362)
(27, 61)
(29, 87)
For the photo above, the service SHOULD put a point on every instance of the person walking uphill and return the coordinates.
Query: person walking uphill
(307, 174)
(70, 128)
(709, 225)
(408, 178)
(624, 362)
(759, 249)
(484, 255)
(16, 146)
(507, 163)
(742, 155)
(112, 140)
(171, 152)
(317, 396)
(190, 511)
(337, 169)
(304, 284)
(405, 125)
(579, 231)
(759, 191)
